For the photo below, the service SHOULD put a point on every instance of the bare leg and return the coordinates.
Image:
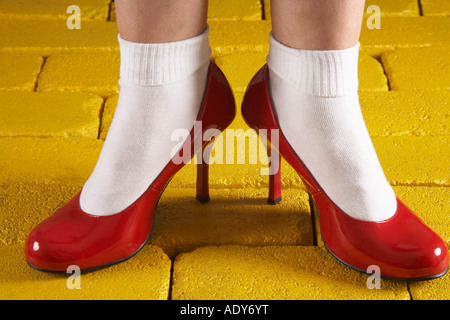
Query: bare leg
(158, 21)
(317, 24)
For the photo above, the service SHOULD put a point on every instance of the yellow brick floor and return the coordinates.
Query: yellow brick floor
(58, 91)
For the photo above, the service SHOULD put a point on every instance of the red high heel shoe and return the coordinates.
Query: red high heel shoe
(403, 247)
(73, 237)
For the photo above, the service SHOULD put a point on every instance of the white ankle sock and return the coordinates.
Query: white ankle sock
(161, 89)
(317, 104)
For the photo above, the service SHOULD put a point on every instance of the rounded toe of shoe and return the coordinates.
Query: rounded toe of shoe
(435, 262)
(418, 252)
(41, 254)
(429, 262)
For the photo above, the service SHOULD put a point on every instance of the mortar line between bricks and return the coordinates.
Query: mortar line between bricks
(39, 73)
(263, 13)
(438, 185)
(109, 10)
(419, 2)
(409, 291)
(384, 72)
(102, 109)
(315, 234)
(172, 264)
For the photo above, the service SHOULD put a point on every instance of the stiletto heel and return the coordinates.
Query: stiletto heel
(274, 175)
(203, 176)
(403, 247)
(73, 237)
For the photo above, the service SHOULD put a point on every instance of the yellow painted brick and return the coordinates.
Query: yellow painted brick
(52, 36)
(437, 289)
(53, 9)
(29, 159)
(43, 114)
(435, 7)
(405, 32)
(240, 69)
(227, 37)
(236, 10)
(26, 203)
(83, 72)
(233, 216)
(279, 273)
(418, 69)
(19, 71)
(431, 204)
(145, 276)
(411, 160)
(388, 8)
(371, 74)
(399, 113)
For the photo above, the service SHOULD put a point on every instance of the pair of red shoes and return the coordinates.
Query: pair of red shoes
(403, 247)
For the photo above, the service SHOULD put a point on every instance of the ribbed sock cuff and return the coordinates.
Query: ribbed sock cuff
(162, 63)
(322, 73)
